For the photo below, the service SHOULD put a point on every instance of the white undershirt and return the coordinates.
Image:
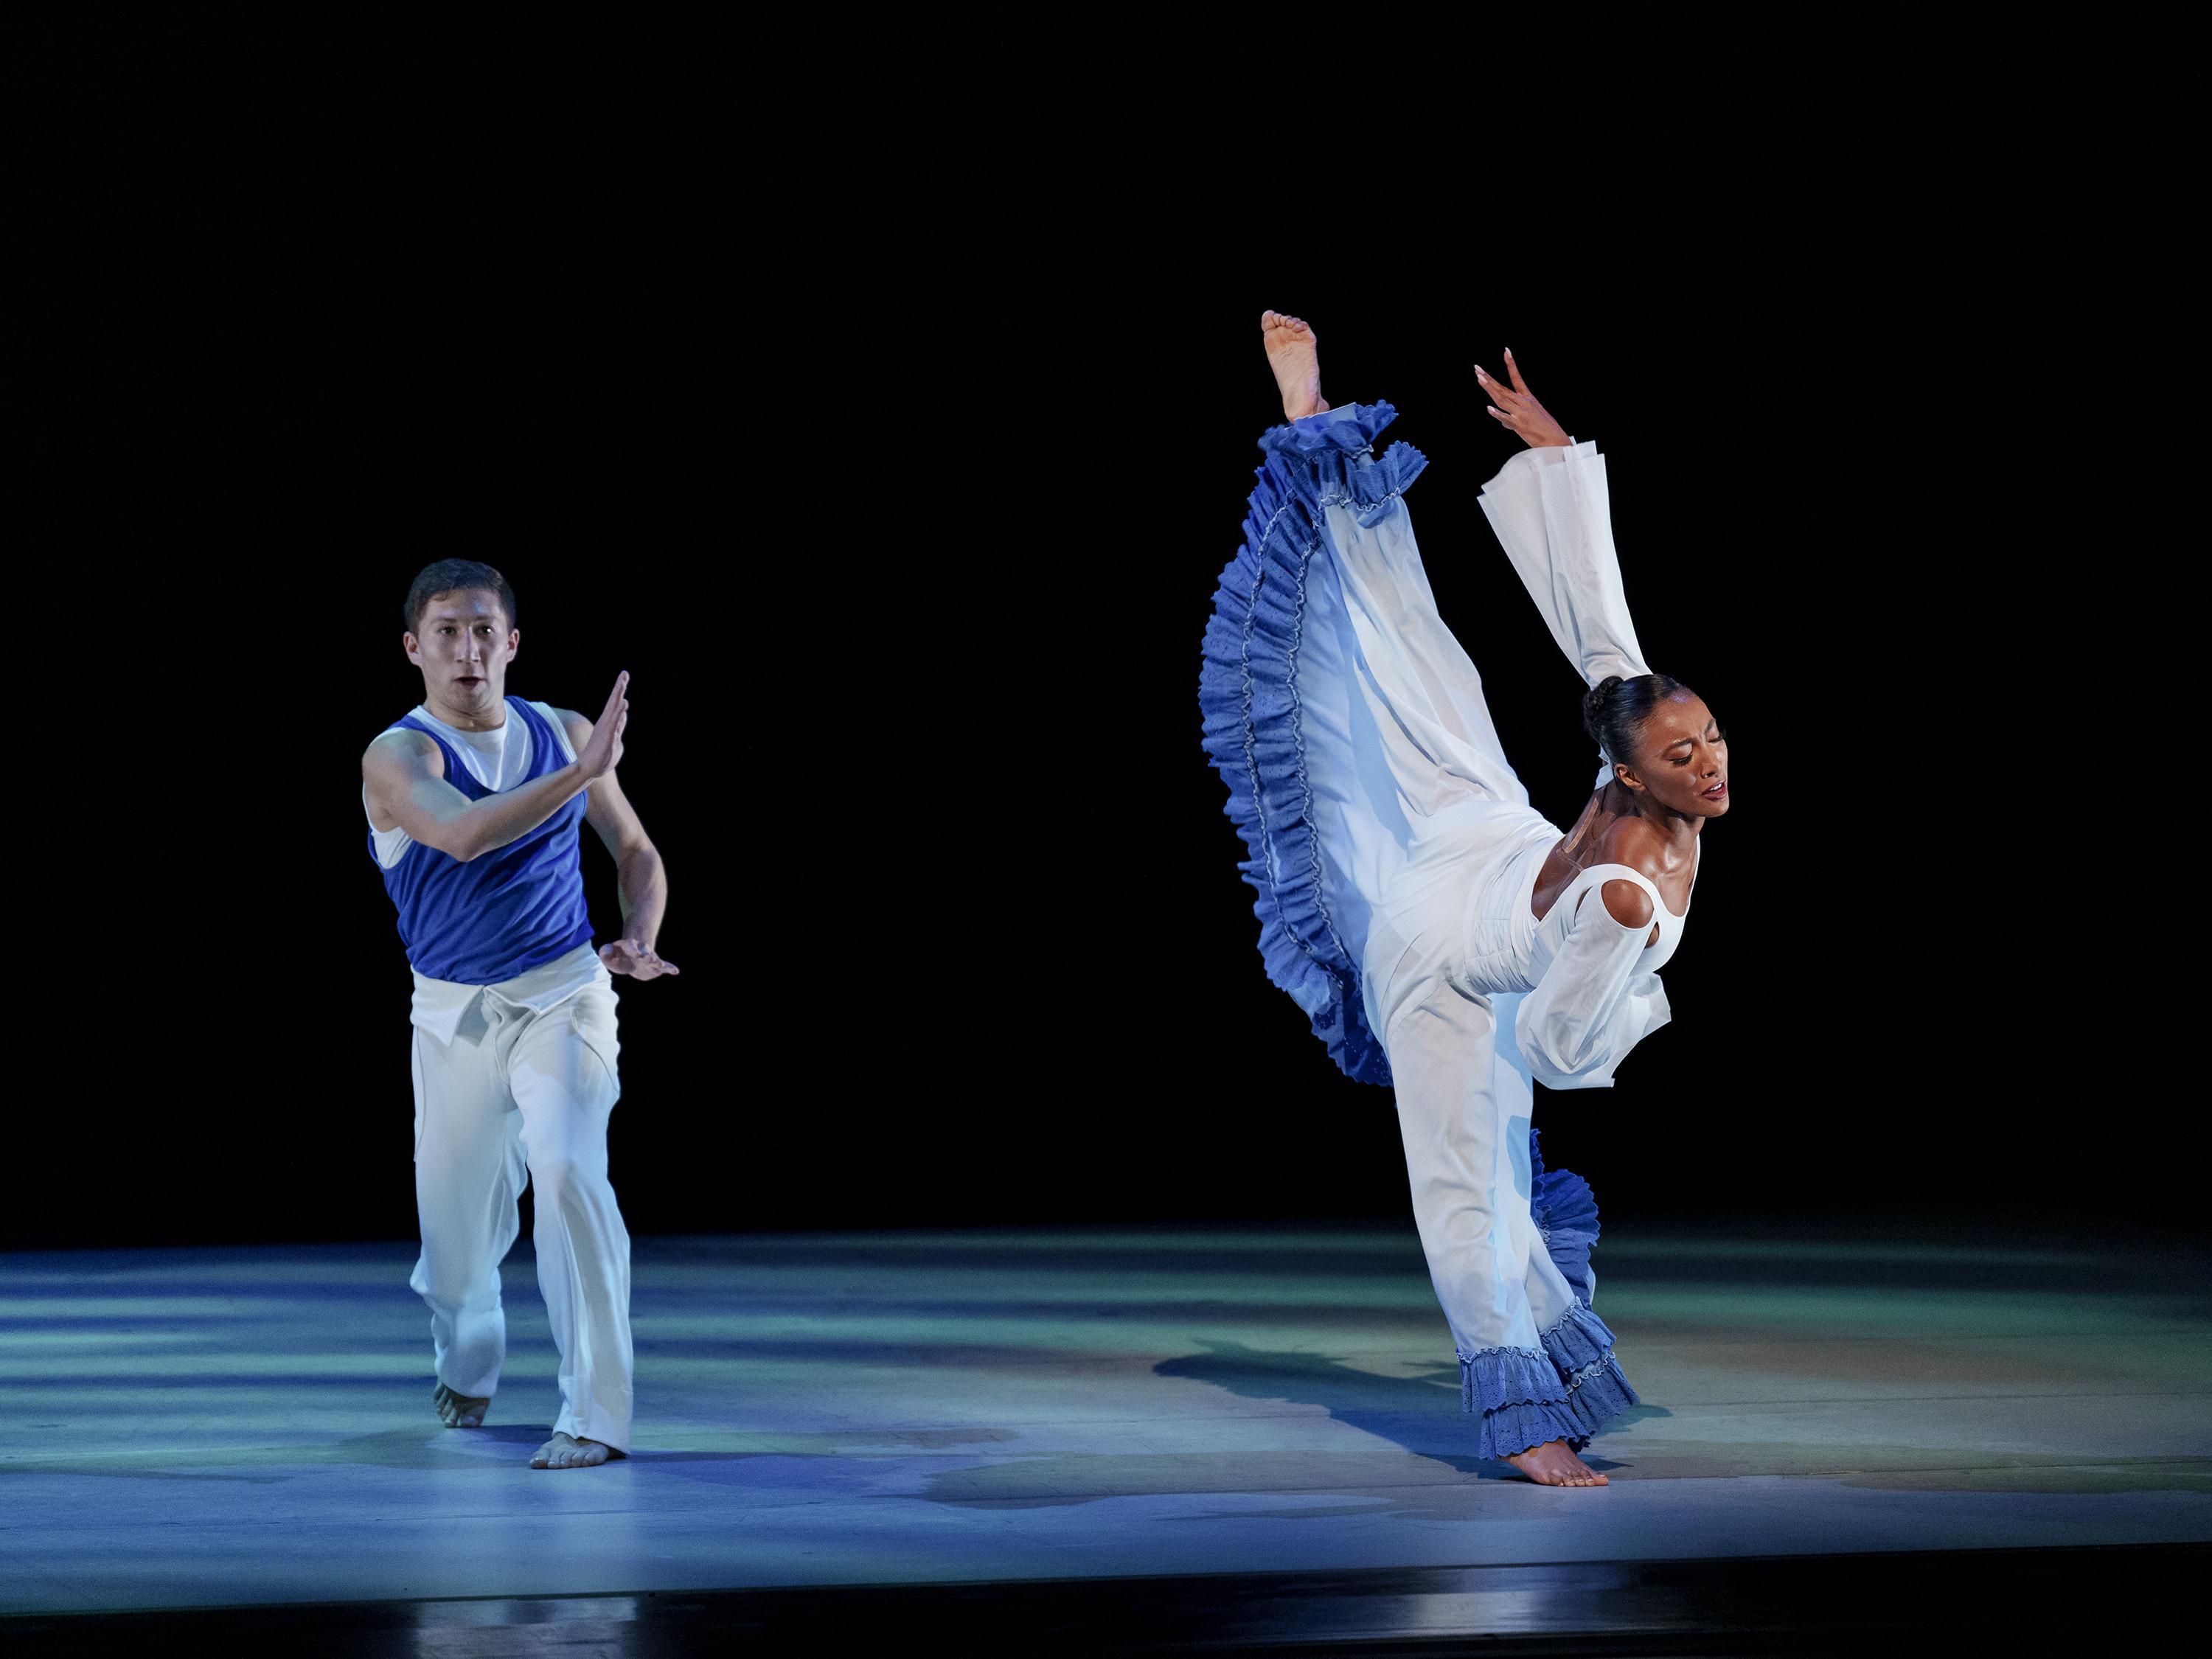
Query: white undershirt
(499, 760)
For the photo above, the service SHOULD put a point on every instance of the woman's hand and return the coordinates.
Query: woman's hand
(1515, 406)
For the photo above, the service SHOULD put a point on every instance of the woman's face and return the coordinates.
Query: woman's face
(1682, 759)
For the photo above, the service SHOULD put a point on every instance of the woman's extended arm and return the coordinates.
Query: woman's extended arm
(1549, 507)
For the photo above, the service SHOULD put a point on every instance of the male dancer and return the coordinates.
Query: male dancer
(473, 800)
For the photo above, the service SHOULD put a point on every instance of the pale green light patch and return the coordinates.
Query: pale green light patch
(205, 1410)
(1025, 1242)
(227, 1362)
(1824, 1310)
(1051, 1286)
(95, 1342)
(1665, 1247)
(169, 1310)
(879, 1335)
(200, 1271)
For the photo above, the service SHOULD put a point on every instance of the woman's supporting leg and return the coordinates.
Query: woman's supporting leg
(1460, 1172)
(1465, 1129)
(1556, 1220)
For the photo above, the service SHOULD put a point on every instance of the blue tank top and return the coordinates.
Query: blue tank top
(513, 909)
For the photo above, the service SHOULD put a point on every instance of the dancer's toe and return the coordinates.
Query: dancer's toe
(458, 1410)
(566, 1451)
(1552, 1464)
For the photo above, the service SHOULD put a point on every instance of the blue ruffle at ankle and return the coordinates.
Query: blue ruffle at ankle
(1572, 1387)
(1567, 1390)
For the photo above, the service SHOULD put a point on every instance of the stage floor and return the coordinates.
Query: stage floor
(189, 1428)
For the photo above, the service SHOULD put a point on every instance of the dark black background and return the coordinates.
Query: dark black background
(886, 408)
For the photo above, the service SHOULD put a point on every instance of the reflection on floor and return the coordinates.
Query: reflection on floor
(195, 1427)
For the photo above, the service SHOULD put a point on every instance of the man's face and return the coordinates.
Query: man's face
(463, 644)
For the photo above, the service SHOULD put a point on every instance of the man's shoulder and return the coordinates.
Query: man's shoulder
(395, 745)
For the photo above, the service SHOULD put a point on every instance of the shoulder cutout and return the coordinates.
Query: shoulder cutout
(1626, 903)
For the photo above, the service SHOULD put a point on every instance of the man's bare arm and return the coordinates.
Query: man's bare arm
(404, 775)
(641, 876)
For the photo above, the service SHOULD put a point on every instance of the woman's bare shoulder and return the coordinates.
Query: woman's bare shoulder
(1637, 843)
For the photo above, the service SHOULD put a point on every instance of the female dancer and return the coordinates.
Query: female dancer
(1438, 932)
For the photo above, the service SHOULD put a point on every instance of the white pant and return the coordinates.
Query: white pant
(518, 1091)
(1463, 1113)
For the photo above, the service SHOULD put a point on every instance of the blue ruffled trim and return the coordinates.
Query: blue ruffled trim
(1520, 1395)
(1581, 1346)
(1569, 1390)
(1518, 1428)
(1499, 1377)
(1564, 1210)
(1248, 692)
(1594, 1399)
(1578, 1341)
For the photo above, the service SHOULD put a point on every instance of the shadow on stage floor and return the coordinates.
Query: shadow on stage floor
(1099, 1440)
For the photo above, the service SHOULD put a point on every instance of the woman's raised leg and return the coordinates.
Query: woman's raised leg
(1342, 714)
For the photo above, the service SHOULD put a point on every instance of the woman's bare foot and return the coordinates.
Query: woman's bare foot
(566, 1451)
(458, 1410)
(1294, 353)
(1553, 1465)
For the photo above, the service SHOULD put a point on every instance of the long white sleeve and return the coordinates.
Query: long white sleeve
(1552, 516)
(1592, 1003)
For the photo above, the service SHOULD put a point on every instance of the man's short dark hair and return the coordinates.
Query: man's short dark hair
(450, 576)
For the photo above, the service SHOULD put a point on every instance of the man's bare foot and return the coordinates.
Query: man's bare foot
(566, 1451)
(1294, 353)
(1553, 1465)
(458, 1410)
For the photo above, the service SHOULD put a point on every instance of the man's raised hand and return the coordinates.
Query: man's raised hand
(628, 956)
(1515, 406)
(603, 751)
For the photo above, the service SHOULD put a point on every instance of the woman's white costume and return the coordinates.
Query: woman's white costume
(1395, 853)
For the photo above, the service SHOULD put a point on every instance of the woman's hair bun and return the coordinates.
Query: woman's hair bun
(1614, 707)
(1596, 701)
